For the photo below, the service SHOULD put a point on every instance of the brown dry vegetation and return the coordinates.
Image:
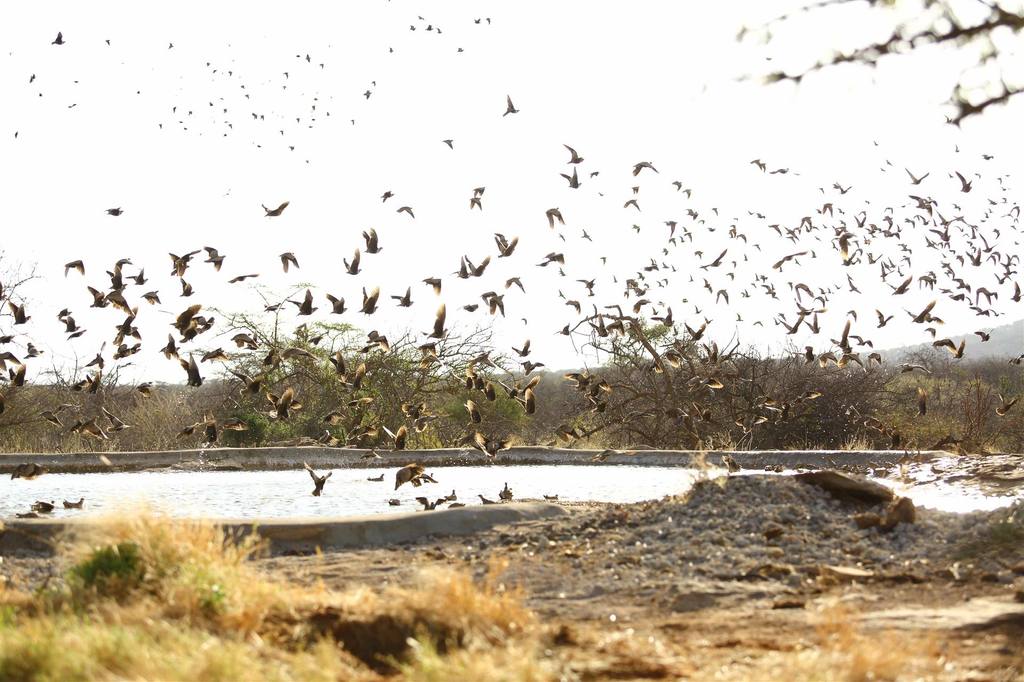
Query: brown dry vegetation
(150, 599)
(658, 385)
(659, 400)
(154, 599)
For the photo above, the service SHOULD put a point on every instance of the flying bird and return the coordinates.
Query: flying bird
(554, 214)
(274, 212)
(510, 108)
(318, 481)
(288, 258)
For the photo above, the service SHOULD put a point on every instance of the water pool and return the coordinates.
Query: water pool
(276, 494)
(264, 494)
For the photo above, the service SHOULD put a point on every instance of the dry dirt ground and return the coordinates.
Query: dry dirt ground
(746, 580)
(621, 617)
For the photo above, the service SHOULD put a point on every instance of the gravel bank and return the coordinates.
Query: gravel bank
(763, 528)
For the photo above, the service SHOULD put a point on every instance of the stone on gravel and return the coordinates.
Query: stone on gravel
(772, 571)
(844, 573)
(693, 601)
(773, 530)
(900, 511)
(847, 487)
(867, 520)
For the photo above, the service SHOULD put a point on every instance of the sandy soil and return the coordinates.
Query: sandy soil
(745, 580)
(725, 629)
(628, 615)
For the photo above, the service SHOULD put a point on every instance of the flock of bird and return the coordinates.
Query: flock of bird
(269, 111)
(960, 261)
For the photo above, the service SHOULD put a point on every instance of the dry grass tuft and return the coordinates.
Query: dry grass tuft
(100, 647)
(192, 569)
(445, 609)
(517, 662)
(491, 610)
(856, 443)
(846, 653)
(150, 598)
(859, 657)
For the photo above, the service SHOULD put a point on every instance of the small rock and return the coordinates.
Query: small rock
(693, 601)
(1017, 568)
(788, 603)
(900, 511)
(773, 530)
(844, 573)
(867, 520)
(846, 486)
(564, 636)
(773, 571)
(953, 572)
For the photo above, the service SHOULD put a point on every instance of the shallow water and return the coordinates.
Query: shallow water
(268, 494)
(949, 492)
(255, 494)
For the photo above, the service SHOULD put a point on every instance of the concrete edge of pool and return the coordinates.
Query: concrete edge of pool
(270, 458)
(308, 534)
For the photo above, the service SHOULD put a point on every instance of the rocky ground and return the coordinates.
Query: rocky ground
(742, 577)
(741, 570)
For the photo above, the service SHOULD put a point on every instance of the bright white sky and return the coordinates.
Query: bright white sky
(620, 82)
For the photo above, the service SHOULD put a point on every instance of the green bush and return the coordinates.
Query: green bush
(111, 569)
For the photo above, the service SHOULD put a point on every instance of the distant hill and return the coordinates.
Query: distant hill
(1006, 341)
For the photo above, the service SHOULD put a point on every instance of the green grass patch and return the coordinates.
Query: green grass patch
(111, 569)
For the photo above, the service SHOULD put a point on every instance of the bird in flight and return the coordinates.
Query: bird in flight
(273, 213)
(318, 481)
(510, 109)
(914, 180)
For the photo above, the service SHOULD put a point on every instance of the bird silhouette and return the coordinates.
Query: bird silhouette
(318, 481)
(510, 108)
(274, 212)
